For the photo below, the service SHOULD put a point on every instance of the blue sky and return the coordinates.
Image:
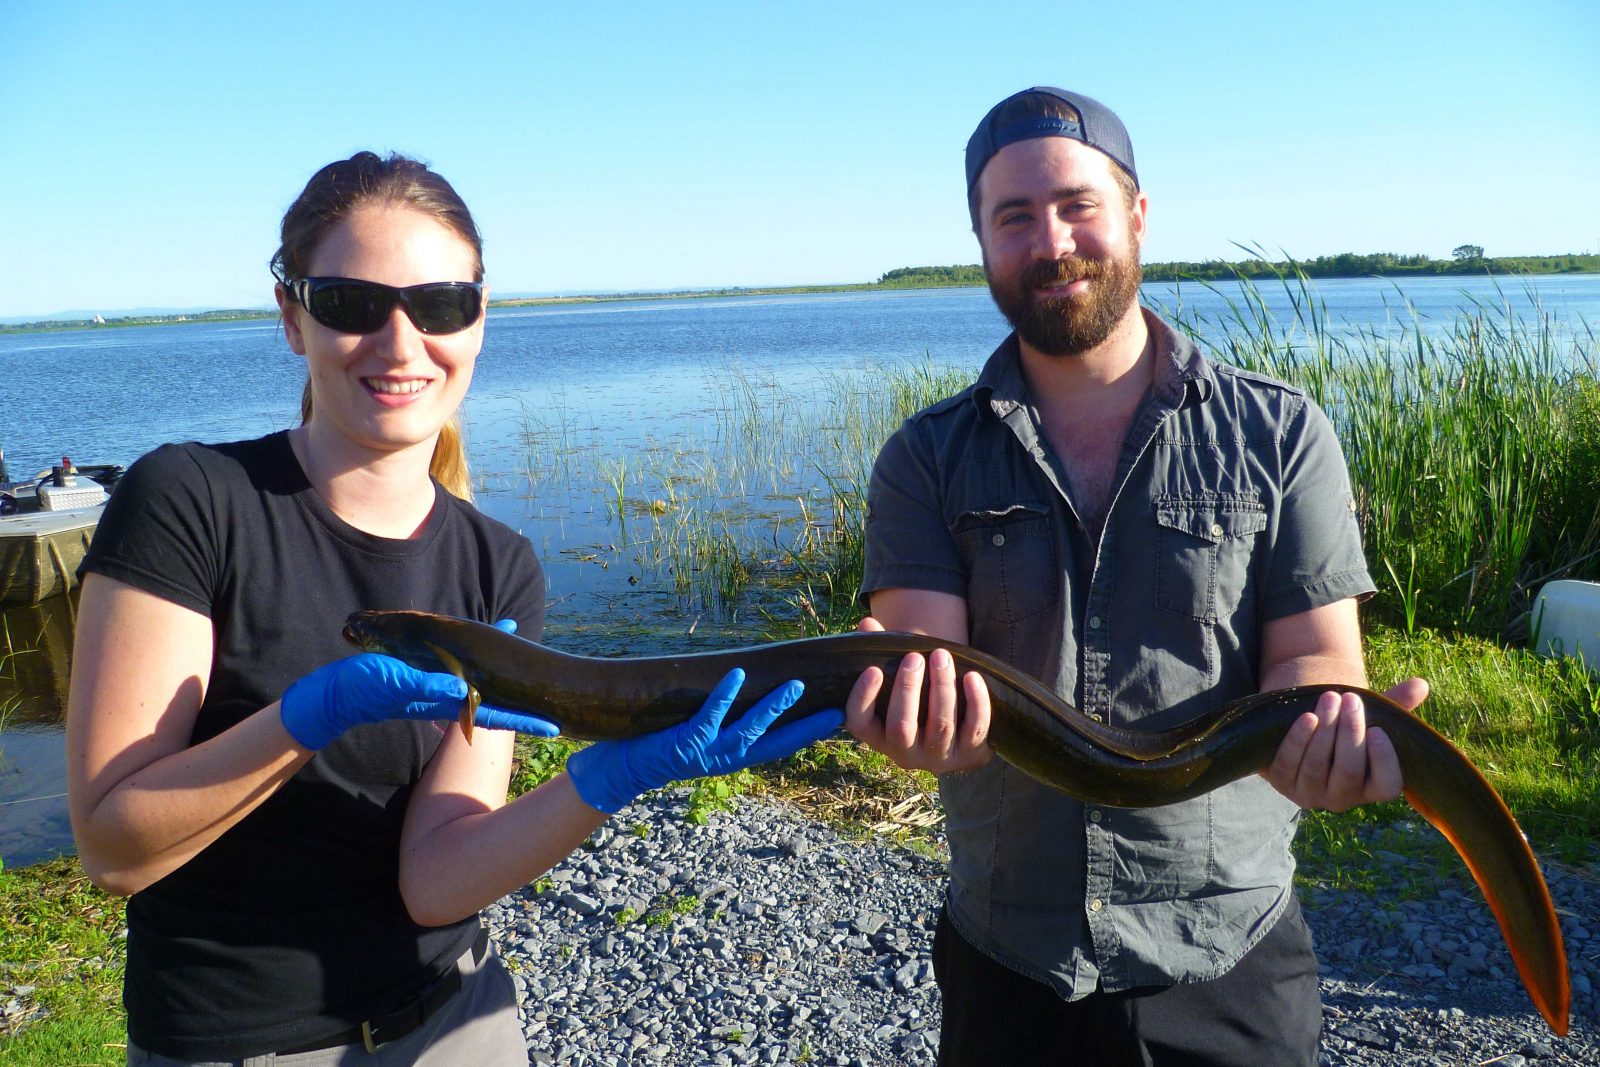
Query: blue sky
(147, 151)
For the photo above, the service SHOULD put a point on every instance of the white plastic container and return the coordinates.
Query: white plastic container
(1566, 621)
(83, 493)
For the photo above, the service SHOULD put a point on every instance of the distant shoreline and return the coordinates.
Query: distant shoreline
(248, 315)
(964, 276)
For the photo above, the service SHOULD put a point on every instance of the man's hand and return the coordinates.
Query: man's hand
(946, 739)
(1330, 760)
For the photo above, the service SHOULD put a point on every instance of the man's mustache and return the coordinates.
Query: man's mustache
(1062, 270)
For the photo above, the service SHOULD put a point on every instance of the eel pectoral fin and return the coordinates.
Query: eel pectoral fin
(469, 706)
(1447, 790)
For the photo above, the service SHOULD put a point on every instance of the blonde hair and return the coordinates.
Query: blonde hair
(328, 198)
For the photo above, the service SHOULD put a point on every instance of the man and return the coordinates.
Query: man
(1153, 535)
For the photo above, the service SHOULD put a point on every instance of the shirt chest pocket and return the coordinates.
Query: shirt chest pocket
(1204, 546)
(1012, 568)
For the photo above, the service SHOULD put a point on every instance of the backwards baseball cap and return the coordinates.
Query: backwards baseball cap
(1087, 120)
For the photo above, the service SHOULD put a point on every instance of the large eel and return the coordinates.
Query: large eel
(594, 698)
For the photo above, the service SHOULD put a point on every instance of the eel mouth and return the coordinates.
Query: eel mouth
(360, 636)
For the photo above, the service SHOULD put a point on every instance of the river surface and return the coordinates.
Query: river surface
(586, 425)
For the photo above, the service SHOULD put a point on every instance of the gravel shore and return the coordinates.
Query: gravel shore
(763, 937)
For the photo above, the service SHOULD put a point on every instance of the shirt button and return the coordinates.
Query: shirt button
(1096, 904)
(1216, 529)
(1094, 816)
(1094, 622)
(997, 540)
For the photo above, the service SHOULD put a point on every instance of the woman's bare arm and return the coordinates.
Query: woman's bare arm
(464, 847)
(143, 803)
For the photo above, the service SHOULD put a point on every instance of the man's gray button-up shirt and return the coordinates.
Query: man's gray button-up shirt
(1232, 507)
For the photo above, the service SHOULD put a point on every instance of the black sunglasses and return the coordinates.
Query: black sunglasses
(351, 305)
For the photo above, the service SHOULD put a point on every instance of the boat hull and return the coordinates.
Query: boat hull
(40, 552)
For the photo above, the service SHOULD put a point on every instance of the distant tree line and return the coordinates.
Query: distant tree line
(1466, 259)
(932, 277)
(101, 322)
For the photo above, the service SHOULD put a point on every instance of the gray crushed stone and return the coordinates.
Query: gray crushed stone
(764, 937)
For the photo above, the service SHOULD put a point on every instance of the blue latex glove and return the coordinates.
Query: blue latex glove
(609, 774)
(372, 688)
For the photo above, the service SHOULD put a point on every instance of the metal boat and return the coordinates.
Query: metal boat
(45, 525)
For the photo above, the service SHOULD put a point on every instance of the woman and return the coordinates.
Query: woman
(305, 842)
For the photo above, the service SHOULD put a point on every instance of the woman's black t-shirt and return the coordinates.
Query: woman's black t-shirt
(290, 926)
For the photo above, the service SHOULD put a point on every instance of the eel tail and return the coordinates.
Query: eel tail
(1448, 791)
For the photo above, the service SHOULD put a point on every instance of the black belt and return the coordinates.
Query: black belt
(391, 1026)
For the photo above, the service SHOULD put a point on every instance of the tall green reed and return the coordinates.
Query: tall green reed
(1472, 449)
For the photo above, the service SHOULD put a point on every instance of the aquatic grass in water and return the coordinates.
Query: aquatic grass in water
(550, 438)
(615, 474)
(10, 701)
(8, 708)
(775, 501)
(1472, 445)
(825, 568)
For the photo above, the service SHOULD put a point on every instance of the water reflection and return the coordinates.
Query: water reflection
(36, 646)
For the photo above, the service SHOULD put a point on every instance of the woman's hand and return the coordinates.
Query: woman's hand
(372, 688)
(361, 689)
(492, 718)
(610, 774)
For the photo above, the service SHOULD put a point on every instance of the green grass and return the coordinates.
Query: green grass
(1532, 725)
(58, 929)
(670, 908)
(538, 759)
(667, 909)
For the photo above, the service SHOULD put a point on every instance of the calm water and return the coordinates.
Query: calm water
(111, 395)
(563, 399)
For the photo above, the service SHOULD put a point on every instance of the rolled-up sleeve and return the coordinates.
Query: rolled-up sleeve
(909, 545)
(1317, 558)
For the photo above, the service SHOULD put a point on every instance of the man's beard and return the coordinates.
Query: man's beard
(1069, 325)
